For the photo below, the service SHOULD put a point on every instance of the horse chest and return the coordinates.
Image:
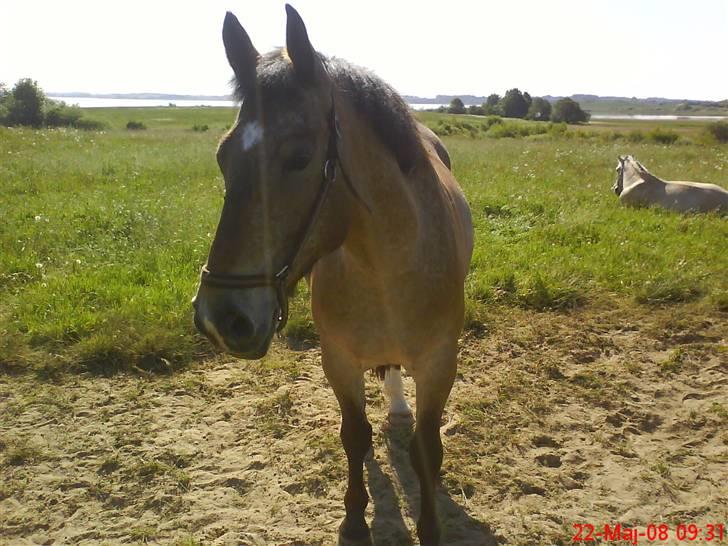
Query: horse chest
(375, 320)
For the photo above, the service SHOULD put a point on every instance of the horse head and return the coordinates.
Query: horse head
(281, 212)
(618, 185)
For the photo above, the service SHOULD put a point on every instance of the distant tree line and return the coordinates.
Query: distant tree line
(515, 104)
(27, 105)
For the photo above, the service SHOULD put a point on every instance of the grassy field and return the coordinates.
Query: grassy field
(591, 380)
(103, 233)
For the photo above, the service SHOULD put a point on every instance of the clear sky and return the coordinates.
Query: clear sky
(667, 48)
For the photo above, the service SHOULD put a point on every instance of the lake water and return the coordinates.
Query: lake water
(94, 102)
(647, 117)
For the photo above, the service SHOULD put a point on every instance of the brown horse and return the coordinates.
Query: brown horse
(328, 176)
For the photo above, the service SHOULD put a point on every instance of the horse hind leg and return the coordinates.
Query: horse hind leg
(400, 413)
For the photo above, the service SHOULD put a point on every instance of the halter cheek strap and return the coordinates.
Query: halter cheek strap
(279, 280)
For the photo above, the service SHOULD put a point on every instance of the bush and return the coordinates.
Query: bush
(635, 136)
(568, 111)
(456, 106)
(514, 104)
(557, 129)
(200, 128)
(718, 130)
(24, 105)
(662, 136)
(540, 110)
(516, 130)
(90, 125)
(490, 107)
(28, 105)
(61, 115)
(135, 126)
(493, 120)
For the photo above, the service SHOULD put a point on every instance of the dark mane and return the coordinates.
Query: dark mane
(375, 100)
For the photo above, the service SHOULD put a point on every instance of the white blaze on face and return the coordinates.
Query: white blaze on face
(252, 135)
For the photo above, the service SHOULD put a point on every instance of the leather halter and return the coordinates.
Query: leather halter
(278, 280)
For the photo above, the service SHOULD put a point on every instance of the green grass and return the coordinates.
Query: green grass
(103, 234)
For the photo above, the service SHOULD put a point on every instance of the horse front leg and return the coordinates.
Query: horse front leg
(347, 381)
(434, 381)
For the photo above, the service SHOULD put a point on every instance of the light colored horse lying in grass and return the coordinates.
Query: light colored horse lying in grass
(636, 186)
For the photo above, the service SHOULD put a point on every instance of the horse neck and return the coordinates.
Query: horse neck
(634, 175)
(384, 220)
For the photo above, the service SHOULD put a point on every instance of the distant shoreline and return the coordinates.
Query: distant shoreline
(598, 107)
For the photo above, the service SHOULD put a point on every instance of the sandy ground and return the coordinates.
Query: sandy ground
(555, 420)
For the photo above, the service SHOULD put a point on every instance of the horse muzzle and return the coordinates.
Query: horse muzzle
(244, 331)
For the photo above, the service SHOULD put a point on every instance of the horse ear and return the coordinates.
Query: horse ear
(299, 47)
(241, 54)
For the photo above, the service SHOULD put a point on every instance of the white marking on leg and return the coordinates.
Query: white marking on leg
(394, 391)
(252, 135)
(210, 329)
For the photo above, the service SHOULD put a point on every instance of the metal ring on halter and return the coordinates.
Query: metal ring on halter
(330, 170)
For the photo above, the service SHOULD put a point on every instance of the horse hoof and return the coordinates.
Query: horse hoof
(403, 419)
(354, 533)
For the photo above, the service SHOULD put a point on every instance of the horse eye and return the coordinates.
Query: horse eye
(297, 162)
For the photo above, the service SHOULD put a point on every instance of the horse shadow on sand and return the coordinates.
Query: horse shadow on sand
(388, 527)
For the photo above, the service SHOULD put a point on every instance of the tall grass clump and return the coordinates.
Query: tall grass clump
(718, 131)
(135, 126)
(662, 136)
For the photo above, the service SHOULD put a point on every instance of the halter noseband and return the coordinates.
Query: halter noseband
(278, 281)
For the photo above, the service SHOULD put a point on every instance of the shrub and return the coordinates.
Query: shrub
(493, 120)
(718, 130)
(456, 106)
(568, 111)
(491, 105)
(635, 136)
(557, 129)
(90, 125)
(540, 110)
(24, 105)
(200, 128)
(662, 136)
(514, 104)
(135, 126)
(503, 130)
(62, 115)
(516, 130)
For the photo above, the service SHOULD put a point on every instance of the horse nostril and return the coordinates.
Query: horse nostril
(240, 326)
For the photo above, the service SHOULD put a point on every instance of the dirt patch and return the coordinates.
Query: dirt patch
(555, 419)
